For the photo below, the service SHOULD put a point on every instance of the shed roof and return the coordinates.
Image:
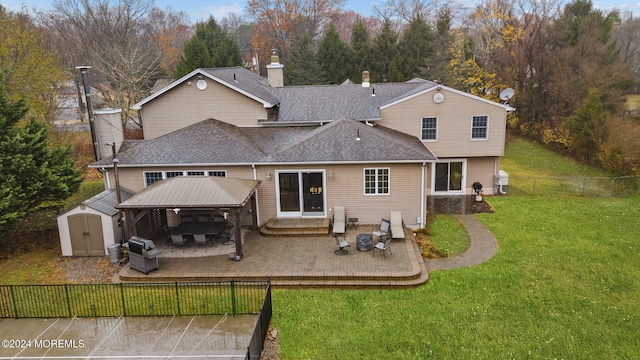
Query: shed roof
(106, 201)
(193, 192)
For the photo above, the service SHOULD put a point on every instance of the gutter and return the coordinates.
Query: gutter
(306, 163)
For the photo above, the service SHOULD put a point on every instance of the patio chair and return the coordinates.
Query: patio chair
(342, 244)
(339, 221)
(199, 240)
(383, 230)
(383, 246)
(226, 236)
(397, 225)
(178, 240)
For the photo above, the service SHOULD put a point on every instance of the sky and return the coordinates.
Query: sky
(201, 9)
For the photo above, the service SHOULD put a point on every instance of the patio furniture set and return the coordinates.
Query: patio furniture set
(392, 228)
(201, 232)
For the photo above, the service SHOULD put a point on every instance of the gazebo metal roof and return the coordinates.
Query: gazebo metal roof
(193, 192)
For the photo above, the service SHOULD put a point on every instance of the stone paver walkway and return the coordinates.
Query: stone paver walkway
(482, 247)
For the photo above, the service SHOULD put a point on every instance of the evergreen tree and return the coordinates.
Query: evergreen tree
(31, 172)
(303, 68)
(210, 47)
(414, 48)
(435, 67)
(360, 52)
(385, 52)
(333, 55)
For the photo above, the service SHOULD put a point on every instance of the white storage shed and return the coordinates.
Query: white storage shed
(88, 228)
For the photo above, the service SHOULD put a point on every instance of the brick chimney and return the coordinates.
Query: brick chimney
(275, 70)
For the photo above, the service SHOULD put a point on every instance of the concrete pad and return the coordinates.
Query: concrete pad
(201, 337)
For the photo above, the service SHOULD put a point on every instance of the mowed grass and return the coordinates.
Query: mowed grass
(448, 235)
(564, 284)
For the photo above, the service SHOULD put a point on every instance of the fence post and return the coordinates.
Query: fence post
(584, 186)
(613, 187)
(124, 305)
(177, 297)
(233, 298)
(66, 294)
(535, 179)
(13, 301)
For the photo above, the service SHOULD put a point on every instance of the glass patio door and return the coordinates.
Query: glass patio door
(449, 176)
(301, 193)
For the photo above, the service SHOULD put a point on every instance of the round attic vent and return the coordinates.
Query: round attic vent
(201, 84)
(438, 98)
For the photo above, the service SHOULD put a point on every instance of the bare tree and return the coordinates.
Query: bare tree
(114, 38)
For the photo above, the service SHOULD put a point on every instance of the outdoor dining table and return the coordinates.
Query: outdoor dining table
(207, 228)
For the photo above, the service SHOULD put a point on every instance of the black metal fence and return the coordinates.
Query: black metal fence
(134, 299)
(256, 345)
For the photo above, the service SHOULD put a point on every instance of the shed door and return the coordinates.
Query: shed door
(86, 235)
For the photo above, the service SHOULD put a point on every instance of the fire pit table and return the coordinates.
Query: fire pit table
(364, 242)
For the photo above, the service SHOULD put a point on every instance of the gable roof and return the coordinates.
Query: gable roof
(236, 78)
(213, 142)
(316, 103)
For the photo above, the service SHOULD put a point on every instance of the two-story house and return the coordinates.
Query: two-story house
(372, 148)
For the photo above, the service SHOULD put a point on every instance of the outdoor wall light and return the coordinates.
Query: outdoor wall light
(268, 176)
(176, 210)
(331, 175)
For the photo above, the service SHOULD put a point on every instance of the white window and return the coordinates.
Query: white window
(170, 174)
(221, 173)
(429, 129)
(376, 181)
(151, 177)
(195, 173)
(479, 127)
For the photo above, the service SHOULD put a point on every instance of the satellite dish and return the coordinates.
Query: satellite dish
(506, 94)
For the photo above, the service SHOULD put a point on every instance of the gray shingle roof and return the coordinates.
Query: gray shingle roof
(244, 80)
(333, 102)
(213, 142)
(106, 201)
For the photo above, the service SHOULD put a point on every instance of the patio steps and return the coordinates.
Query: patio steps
(296, 227)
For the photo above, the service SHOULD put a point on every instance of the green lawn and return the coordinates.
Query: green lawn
(564, 284)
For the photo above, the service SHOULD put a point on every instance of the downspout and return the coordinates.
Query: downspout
(107, 177)
(255, 177)
(499, 184)
(422, 195)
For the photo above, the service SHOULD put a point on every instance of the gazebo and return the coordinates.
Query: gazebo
(223, 195)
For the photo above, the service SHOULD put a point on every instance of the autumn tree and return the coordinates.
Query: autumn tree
(279, 24)
(333, 55)
(170, 30)
(303, 68)
(31, 171)
(32, 67)
(210, 47)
